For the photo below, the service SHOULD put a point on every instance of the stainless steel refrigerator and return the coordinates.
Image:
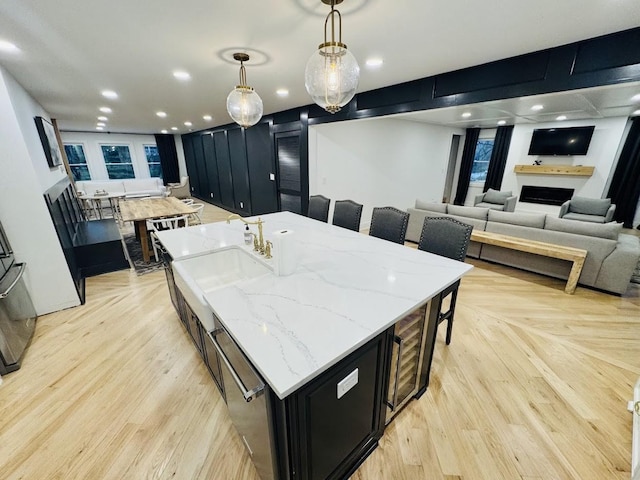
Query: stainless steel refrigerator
(17, 314)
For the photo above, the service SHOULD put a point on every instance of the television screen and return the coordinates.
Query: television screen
(561, 141)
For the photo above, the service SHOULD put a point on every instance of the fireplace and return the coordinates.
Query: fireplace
(545, 195)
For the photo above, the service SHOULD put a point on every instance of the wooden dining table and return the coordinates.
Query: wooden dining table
(139, 211)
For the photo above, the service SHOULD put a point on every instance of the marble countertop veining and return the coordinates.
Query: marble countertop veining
(347, 288)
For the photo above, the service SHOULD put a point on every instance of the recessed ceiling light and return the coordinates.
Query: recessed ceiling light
(374, 62)
(561, 117)
(187, 124)
(174, 128)
(637, 112)
(537, 107)
(109, 94)
(101, 124)
(102, 118)
(8, 47)
(99, 128)
(161, 114)
(636, 98)
(502, 122)
(207, 118)
(181, 75)
(105, 110)
(282, 92)
(164, 131)
(466, 114)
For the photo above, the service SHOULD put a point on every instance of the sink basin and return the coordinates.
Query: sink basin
(201, 274)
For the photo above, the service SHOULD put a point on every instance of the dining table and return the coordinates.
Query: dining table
(139, 211)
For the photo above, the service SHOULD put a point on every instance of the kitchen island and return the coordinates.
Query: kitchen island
(320, 348)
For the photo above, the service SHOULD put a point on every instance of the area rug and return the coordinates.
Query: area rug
(134, 251)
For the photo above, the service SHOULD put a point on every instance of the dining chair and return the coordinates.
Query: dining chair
(319, 208)
(449, 238)
(194, 218)
(389, 223)
(159, 224)
(187, 201)
(346, 214)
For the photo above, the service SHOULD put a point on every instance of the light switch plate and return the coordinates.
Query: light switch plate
(272, 176)
(347, 383)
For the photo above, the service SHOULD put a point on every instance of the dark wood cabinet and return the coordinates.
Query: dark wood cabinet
(233, 168)
(201, 182)
(209, 150)
(262, 170)
(190, 160)
(225, 178)
(329, 437)
(239, 170)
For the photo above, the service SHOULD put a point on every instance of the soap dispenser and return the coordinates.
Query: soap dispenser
(247, 235)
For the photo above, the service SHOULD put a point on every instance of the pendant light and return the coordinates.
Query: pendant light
(332, 73)
(243, 103)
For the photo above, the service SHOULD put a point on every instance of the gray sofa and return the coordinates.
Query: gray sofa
(611, 258)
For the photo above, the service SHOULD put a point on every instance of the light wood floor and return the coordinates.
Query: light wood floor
(534, 385)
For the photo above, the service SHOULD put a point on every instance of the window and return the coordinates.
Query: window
(117, 159)
(484, 147)
(77, 162)
(153, 159)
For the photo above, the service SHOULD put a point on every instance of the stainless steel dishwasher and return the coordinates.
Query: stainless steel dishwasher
(248, 402)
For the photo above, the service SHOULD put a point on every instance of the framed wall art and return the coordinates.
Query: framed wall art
(49, 141)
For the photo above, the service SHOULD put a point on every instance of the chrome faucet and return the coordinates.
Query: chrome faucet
(258, 222)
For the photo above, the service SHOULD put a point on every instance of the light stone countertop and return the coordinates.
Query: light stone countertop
(347, 288)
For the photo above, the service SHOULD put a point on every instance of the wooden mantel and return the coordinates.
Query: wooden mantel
(581, 171)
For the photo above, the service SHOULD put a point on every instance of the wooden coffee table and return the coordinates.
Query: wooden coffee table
(139, 211)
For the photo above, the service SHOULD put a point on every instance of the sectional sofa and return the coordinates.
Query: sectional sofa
(129, 187)
(611, 255)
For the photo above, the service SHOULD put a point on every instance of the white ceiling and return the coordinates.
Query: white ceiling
(70, 50)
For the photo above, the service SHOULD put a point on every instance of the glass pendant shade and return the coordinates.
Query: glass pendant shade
(331, 76)
(244, 106)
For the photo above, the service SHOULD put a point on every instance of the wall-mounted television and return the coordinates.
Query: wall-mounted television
(561, 141)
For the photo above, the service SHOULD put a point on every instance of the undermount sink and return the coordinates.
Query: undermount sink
(201, 274)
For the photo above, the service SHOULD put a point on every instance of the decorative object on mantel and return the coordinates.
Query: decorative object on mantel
(332, 73)
(580, 170)
(134, 253)
(537, 162)
(244, 105)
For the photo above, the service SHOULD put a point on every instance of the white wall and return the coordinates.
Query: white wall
(601, 155)
(92, 150)
(379, 162)
(23, 212)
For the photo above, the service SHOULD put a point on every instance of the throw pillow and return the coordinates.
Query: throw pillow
(590, 206)
(495, 196)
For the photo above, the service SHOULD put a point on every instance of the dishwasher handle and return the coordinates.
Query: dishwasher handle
(247, 394)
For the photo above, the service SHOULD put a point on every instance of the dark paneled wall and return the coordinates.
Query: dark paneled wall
(252, 154)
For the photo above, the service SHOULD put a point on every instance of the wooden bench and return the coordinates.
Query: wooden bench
(91, 247)
(575, 255)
